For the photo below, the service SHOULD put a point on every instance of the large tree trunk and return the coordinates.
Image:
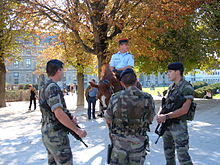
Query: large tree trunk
(2, 82)
(80, 95)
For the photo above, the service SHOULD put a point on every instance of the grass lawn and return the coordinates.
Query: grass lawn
(217, 96)
(161, 89)
(155, 91)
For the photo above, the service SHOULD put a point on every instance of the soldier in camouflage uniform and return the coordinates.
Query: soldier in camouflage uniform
(54, 112)
(176, 136)
(128, 116)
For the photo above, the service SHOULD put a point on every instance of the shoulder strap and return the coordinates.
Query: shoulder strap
(183, 85)
(169, 89)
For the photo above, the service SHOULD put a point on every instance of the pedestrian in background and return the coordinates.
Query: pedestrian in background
(33, 97)
(90, 94)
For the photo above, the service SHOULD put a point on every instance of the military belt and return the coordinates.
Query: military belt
(128, 132)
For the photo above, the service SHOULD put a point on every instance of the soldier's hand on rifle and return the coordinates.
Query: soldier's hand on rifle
(81, 133)
(161, 118)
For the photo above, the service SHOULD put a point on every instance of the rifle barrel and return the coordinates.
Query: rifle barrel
(84, 143)
(157, 140)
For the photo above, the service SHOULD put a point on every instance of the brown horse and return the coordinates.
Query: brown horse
(108, 85)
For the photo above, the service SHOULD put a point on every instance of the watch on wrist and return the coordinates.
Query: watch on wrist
(167, 117)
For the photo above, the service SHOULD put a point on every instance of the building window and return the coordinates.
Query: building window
(28, 52)
(16, 74)
(28, 77)
(16, 78)
(28, 63)
(16, 64)
(9, 78)
(16, 81)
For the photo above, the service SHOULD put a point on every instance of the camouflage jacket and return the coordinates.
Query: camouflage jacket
(131, 111)
(183, 88)
(52, 95)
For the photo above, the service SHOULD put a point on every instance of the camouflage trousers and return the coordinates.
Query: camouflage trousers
(125, 156)
(58, 147)
(176, 138)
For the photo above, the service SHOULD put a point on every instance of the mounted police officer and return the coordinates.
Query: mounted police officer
(128, 116)
(54, 112)
(123, 59)
(176, 135)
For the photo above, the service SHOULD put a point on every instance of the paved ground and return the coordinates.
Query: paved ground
(20, 137)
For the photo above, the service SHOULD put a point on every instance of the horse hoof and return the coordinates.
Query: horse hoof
(100, 115)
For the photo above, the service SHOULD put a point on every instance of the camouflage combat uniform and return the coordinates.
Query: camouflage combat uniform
(176, 135)
(131, 111)
(54, 135)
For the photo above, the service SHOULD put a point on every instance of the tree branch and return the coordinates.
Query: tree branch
(88, 4)
(117, 30)
(116, 7)
(47, 15)
(84, 46)
(130, 9)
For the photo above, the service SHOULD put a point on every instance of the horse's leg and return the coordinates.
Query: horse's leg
(101, 111)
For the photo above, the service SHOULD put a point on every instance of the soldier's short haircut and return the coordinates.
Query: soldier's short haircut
(129, 79)
(53, 66)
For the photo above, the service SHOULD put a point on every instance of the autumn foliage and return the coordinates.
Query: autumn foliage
(96, 25)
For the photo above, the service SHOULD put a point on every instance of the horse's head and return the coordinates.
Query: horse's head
(106, 72)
